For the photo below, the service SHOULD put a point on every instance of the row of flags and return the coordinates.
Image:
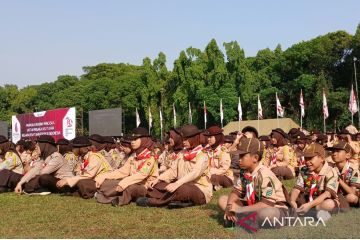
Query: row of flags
(353, 108)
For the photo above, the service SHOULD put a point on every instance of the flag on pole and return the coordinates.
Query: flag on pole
(260, 111)
(174, 112)
(205, 114)
(302, 106)
(161, 120)
(221, 112)
(279, 108)
(240, 110)
(190, 114)
(352, 102)
(150, 120)
(137, 118)
(325, 107)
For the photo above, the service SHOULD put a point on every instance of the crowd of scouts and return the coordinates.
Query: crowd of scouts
(190, 164)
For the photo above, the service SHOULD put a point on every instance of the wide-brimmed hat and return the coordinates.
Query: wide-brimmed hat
(189, 130)
(250, 129)
(212, 131)
(46, 139)
(96, 138)
(139, 132)
(314, 149)
(3, 139)
(62, 141)
(249, 145)
(81, 141)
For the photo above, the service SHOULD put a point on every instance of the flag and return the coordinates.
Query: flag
(161, 120)
(205, 114)
(325, 107)
(352, 102)
(150, 120)
(302, 106)
(190, 114)
(279, 108)
(260, 112)
(240, 110)
(221, 112)
(174, 112)
(137, 118)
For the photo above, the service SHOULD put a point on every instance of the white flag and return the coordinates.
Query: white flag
(174, 115)
(325, 107)
(221, 112)
(150, 120)
(190, 114)
(137, 118)
(279, 108)
(205, 114)
(260, 111)
(161, 120)
(302, 106)
(352, 102)
(240, 110)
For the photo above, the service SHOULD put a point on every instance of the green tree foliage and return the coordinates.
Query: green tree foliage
(325, 62)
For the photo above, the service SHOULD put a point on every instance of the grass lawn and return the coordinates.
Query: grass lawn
(56, 216)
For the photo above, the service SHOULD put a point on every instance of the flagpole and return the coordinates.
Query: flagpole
(324, 125)
(357, 92)
(149, 122)
(300, 120)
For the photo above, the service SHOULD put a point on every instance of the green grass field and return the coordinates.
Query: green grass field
(56, 216)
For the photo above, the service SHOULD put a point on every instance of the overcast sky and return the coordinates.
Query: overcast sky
(41, 40)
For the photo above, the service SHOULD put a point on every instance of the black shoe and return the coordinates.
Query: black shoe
(142, 202)
(228, 224)
(178, 204)
(4, 189)
(115, 202)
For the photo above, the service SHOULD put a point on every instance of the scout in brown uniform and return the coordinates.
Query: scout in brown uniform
(219, 162)
(92, 167)
(99, 141)
(125, 150)
(130, 182)
(111, 152)
(349, 181)
(53, 168)
(280, 158)
(187, 181)
(257, 189)
(19, 146)
(11, 169)
(175, 146)
(317, 184)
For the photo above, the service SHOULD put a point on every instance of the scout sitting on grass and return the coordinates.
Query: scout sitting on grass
(257, 189)
(349, 181)
(317, 184)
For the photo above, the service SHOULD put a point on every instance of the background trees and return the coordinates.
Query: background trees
(211, 74)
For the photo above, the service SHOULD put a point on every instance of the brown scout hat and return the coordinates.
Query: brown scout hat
(81, 141)
(341, 145)
(212, 131)
(189, 130)
(249, 145)
(314, 149)
(3, 139)
(21, 142)
(229, 139)
(96, 138)
(62, 141)
(139, 132)
(108, 139)
(264, 138)
(46, 139)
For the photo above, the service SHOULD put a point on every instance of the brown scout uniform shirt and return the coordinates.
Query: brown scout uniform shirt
(135, 171)
(97, 165)
(351, 176)
(220, 162)
(194, 171)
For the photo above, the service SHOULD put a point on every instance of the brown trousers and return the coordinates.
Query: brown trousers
(107, 192)
(282, 173)
(86, 188)
(221, 180)
(48, 182)
(304, 198)
(9, 179)
(159, 197)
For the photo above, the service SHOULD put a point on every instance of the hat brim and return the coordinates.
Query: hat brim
(80, 145)
(191, 135)
(212, 134)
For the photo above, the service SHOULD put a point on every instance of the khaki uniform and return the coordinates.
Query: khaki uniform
(195, 171)
(328, 181)
(351, 176)
(56, 165)
(96, 166)
(220, 162)
(266, 186)
(72, 160)
(135, 171)
(25, 157)
(12, 162)
(355, 159)
(108, 158)
(166, 159)
(117, 158)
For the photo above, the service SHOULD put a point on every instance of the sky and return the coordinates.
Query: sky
(40, 39)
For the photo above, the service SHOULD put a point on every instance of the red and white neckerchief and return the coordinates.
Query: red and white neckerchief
(250, 193)
(84, 164)
(189, 155)
(273, 158)
(173, 156)
(302, 161)
(313, 189)
(347, 167)
(143, 156)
